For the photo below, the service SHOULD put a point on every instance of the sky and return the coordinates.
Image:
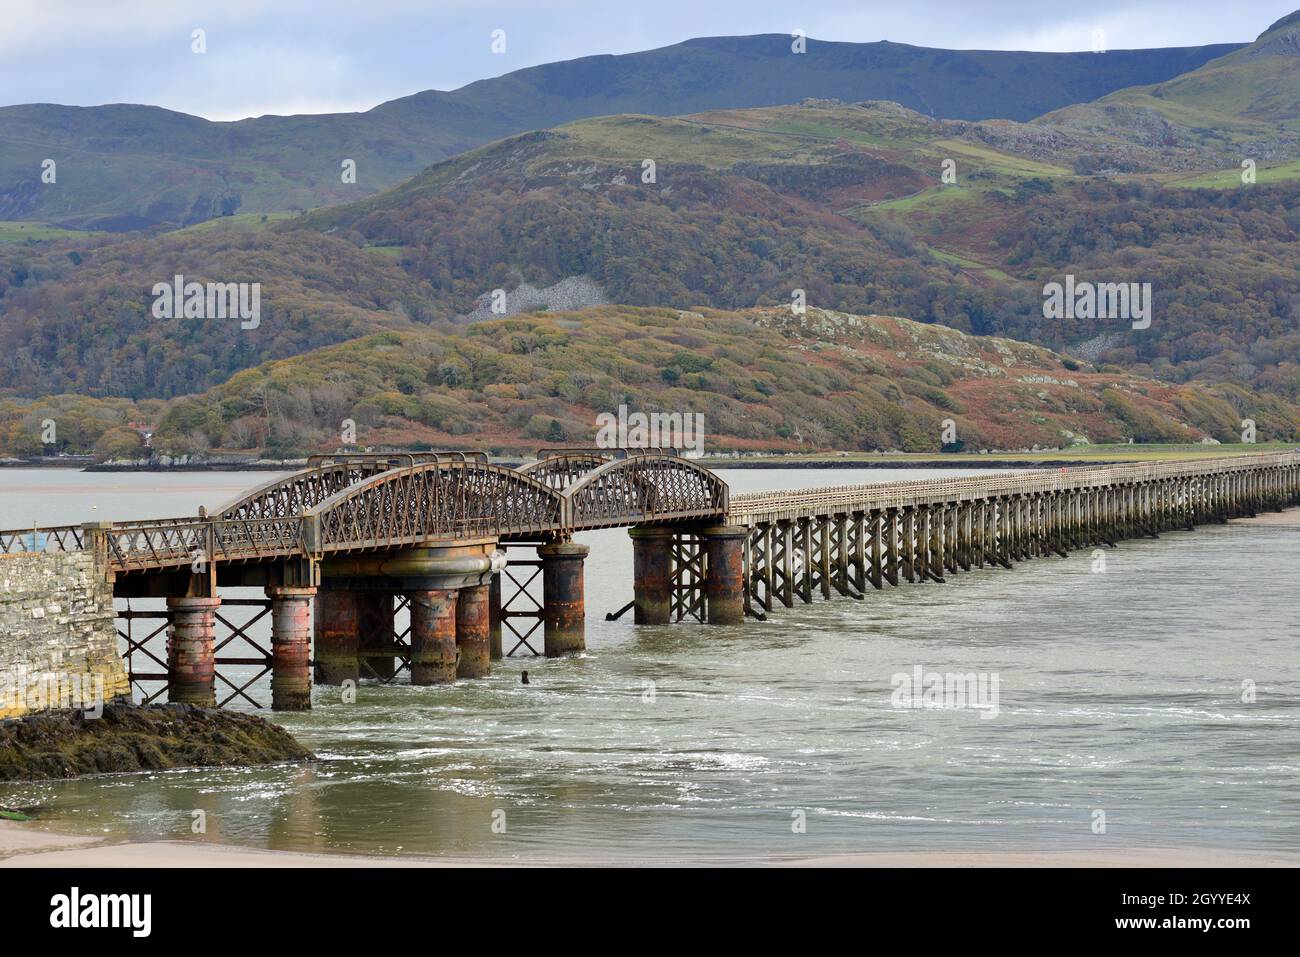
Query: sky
(318, 56)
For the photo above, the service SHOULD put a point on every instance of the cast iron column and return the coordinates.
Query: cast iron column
(724, 578)
(472, 630)
(652, 575)
(290, 647)
(433, 636)
(191, 651)
(337, 636)
(564, 609)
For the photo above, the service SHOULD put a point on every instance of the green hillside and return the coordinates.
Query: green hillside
(1245, 104)
(845, 202)
(124, 167)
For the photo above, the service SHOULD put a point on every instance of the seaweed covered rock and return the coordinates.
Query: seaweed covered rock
(126, 737)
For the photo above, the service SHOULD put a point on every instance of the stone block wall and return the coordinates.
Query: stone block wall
(58, 637)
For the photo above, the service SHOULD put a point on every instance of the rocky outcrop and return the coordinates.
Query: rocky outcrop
(126, 737)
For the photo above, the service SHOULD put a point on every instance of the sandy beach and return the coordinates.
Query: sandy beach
(25, 845)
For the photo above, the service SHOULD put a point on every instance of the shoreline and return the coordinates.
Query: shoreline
(999, 460)
(23, 845)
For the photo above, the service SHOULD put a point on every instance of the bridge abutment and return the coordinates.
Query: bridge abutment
(564, 606)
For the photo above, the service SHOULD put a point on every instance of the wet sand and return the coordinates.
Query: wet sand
(24, 845)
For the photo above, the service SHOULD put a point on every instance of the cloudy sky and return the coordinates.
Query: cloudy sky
(313, 56)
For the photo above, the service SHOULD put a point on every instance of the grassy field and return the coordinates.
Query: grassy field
(1231, 178)
(243, 222)
(21, 232)
(965, 263)
(996, 161)
(935, 195)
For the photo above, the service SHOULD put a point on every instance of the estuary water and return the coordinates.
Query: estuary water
(1158, 696)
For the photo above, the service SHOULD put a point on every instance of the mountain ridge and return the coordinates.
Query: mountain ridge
(158, 168)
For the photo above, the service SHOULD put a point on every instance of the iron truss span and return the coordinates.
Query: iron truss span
(369, 503)
(374, 503)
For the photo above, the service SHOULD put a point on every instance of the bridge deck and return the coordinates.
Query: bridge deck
(752, 507)
(347, 506)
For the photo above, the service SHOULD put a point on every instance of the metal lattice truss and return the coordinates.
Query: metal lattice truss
(521, 604)
(440, 500)
(560, 468)
(290, 497)
(326, 476)
(689, 570)
(643, 489)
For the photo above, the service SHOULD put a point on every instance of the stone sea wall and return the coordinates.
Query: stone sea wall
(58, 638)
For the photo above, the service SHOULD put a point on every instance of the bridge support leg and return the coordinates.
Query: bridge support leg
(337, 636)
(376, 634)
(494, 617)
(290, 647)
(433, 637)
(652, 575)
(724, 580)
(191, 651)
(564, 609)
(472, 632)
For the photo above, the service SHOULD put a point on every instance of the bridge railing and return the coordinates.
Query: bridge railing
(966, 488)
(58, 538)
(177, 542)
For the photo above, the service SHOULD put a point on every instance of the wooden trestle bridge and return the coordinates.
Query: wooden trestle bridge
(360, 537)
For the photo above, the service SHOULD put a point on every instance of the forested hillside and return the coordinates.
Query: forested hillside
(762, 379)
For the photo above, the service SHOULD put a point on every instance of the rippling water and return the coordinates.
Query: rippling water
(1119, 691)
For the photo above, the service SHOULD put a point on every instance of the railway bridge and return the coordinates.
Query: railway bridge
(355, 538)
